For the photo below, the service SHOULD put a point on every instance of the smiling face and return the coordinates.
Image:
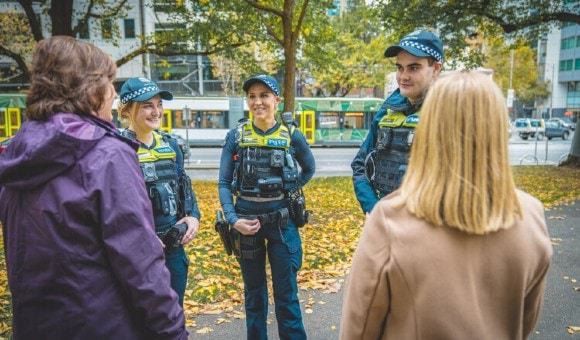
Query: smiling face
(148, 116)
(262, 102)
(415, 75)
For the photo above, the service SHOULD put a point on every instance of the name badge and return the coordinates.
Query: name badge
(277, 142)
(164, 149)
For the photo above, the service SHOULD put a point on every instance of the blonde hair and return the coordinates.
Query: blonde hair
(127, 111)
(459, 174)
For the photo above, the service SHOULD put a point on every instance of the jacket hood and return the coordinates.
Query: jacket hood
(398, 103)
(42, 150)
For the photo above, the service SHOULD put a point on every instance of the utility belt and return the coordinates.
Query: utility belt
(276, 218)
(248, 247)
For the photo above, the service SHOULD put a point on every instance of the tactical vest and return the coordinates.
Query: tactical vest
(160, 173)
(265, 167)
(387, 163)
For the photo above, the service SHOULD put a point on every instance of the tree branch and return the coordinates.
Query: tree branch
(270, 30)
(110, 12)
(534, 20)
(162, 50)
(85, 19)
(300, 19)
(256, 5)
(32, 19)
(17, 58)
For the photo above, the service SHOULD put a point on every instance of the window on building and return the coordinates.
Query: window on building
(578, 41)
(84, 32)
(107, 28)
(573, 95)
(568, 43)
(577, 64)
(566, 65)
(129, 28)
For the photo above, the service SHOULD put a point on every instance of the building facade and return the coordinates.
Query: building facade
(559, 65)
(181, 74)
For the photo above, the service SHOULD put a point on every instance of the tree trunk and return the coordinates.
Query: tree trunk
(289, 56)
(61, 13)
(573, 159)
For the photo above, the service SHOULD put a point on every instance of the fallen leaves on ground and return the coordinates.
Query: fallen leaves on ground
(215, 285)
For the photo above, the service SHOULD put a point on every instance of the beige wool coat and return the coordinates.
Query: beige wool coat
(412, 280)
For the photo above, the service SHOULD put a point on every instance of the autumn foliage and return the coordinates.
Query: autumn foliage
(215, 284)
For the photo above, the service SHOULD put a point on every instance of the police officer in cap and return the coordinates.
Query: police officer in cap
(380, 164)
(260, 166)
(175, 209)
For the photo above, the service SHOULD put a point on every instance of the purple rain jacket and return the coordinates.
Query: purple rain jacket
(82, 256)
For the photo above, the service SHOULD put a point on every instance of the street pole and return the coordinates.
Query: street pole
(200, 69)
(511, 68)
(511, 91)
(186, 115)
(551, 90)
(551, 101)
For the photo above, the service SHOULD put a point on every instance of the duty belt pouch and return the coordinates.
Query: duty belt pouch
(384, 138)
(245, 247)
(186, 193)
(159, 199)
(298, 210)
(289, 177)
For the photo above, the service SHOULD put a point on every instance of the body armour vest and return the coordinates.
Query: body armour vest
(387, 163)
(265, 167)
(161, 178)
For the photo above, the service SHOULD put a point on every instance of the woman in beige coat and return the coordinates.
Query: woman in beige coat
(458, 252)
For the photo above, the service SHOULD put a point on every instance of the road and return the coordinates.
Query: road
(204, 162)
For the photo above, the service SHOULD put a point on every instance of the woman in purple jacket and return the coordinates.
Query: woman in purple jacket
(82, 257)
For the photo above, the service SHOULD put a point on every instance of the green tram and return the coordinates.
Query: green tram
(204, 121)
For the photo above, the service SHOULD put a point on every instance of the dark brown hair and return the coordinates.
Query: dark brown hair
(68, 75)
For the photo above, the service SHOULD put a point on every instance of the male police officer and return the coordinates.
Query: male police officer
(380, 164)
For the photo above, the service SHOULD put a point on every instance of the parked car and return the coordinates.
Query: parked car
(526, 127)
(566, 122)
(556, 129)
(4, 144)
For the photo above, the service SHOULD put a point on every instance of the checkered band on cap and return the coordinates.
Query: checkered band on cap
(132, 95)
(269, 83)
(423, 48)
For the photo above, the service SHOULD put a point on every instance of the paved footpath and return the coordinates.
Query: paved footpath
(561, 305)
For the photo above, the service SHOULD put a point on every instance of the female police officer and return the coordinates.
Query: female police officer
(259, 165)
(175, 209)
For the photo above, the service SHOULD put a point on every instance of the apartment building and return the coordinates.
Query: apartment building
(559, 64)
(181, 74)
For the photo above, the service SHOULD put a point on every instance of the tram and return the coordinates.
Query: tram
(204, 121)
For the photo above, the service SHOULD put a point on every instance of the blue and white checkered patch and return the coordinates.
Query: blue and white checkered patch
(272, 86)
(135, 94)
(423, 48)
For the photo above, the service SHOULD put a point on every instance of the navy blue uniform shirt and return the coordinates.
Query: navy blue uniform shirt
(302, 153)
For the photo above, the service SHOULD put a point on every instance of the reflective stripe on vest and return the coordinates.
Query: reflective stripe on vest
(279, 139)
